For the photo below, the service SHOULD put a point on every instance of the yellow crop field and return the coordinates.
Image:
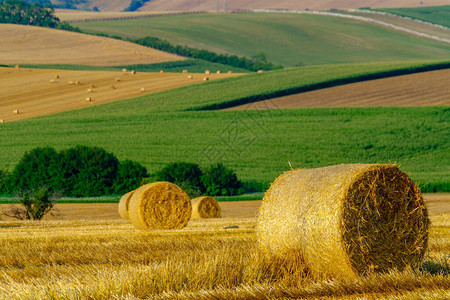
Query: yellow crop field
(107, 258)
(22, 44)
(29, 93)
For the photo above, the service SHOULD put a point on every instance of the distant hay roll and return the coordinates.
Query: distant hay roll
(112, 87)
(117, 79)
(16, 111)
(190, 77)
(345, 220)
(260, 71)
(89, 99)
(184, 71)
(207, 72)
(2, 121)
(124, 70)
(229, 72)
(123, 205)
(133, 72)
(78, 82)
(92, 86)
(159, 205)
(161, 71)
(219, 72)
(142, 89)
(205, 207)
(89, 90)
(56, 76)
(205, 78)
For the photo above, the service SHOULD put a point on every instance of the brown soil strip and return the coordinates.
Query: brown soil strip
(420, 89)
(438, 204)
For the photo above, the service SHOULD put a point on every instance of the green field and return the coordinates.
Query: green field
(434, 14)
(163, 127)
(286, 39)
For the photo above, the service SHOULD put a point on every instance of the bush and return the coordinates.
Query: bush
(36, 204)
(37, 168)
(129, 176)
(186, 175)
(88, 171)
(219, 180)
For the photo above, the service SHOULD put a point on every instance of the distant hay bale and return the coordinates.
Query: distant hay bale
(207, 72)
(92, 86)
(89, 99)
(123, 205)
(56, 76)
(205, 78)
(159, 205)
(89, 90)
(117, 79)
(17, 67)
(70, 82)
(190, 77)
(143, 89)
(16, 111)
(345, 220)
(260, 71)
(112, 87)
(229, 72)
(52, 80)
(219, 72)
(133, 72)
(124, 70)
(161, 71)
(184, 71)
(2, 121)
(205, 207)
(78, 82)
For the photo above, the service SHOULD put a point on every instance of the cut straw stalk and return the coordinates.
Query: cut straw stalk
(205, 207)
(159, 205)
(345, 220)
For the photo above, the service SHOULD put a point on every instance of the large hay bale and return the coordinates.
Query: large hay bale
(123, 205)
(205, 207)
(159, 205)
(345, 220)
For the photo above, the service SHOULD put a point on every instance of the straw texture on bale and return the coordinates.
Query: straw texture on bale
(159, 205)
(205, 207)
(123, 205)
(345, 220)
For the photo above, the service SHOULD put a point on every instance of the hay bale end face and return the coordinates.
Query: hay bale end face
(123, 205)
(205, 78)
(345, 220)
(159, 205)
(205, 207)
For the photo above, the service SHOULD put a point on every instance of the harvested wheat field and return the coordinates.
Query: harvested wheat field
(205, 5)
(21, 44)
(28, 93)
(421, 89)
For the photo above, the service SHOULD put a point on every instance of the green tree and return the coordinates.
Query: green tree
(34, 205)
(129, 176)
(186, 175)
(219, 180)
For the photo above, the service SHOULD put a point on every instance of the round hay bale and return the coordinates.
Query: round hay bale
(219, 72)
(112, 87)
(123, 205)
(88, 99)
(205, 207)
(159, 205)
(133, 72)
(207, 72)
(117, 79)
(184, 71)
(345, 220)
(229, 72)
(124, 70)
(16, 111)
(190, 77)
(161, 71)
(205, 78)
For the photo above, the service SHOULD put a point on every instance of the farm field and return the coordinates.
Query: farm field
(258, 144)
(37, 45)
(186, 5)
(306, 39)
(106, 258)
(420, 89)
(38, 92)
(436, 15)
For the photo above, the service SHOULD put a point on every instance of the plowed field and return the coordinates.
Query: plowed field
(36, 45)
(421, 89)
(36, 92)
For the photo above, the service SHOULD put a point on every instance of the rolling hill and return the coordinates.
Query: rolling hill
(306, 39)
(21, 44)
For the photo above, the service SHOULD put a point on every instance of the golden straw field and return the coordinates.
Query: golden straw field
(91, 253)
(38, 92)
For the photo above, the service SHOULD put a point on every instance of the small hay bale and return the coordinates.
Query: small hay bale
(205, 207)
(52, 80)
(92, 86)
(219, 72)
(124, 70)
(133, 72)
(345, 220)
(89, 90)
(229, 72)
(56, 76)
(117, 79)
(78, 82)
(71, 82)
(112, 87)
(190, 77)
(205, 78)
(17, 67)
(159, 205)
(260, 71)
(123, 205)
(161, 71)
(89, 99)
(16, 111)
(207, 72)
(2, 121)
(143, 89)
(184, 71)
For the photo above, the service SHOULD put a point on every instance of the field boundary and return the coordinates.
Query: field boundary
(321, 85)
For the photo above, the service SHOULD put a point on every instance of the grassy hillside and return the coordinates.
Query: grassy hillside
(156, 129)
(433, 14)
(306, 39)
